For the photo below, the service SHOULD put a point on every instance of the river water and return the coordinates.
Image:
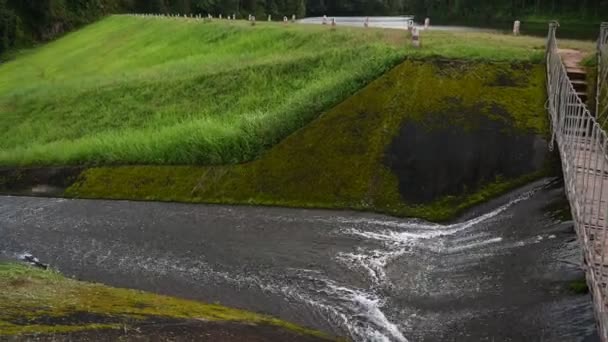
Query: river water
(499, 274)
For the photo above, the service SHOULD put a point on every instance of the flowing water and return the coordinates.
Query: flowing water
(499, 274)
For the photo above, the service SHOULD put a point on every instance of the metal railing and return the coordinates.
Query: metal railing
(582, 145)
(601, 94)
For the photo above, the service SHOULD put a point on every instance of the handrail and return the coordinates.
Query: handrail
(601, 94)
(583, 147)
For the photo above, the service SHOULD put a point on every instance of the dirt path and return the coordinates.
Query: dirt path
(573, 59)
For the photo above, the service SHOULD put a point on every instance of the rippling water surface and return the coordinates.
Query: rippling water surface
(500, 275)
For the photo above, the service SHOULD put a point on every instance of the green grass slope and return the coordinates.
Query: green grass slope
(33, 301)
(338, 161)
(132, 90)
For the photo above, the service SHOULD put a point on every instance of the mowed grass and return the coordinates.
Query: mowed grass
(132, 90)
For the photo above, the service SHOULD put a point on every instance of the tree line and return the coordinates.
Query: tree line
(25, 21)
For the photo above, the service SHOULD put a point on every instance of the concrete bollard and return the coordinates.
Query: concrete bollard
(516, 27)
(269, 17)
(427, 23)
(410, 25)
(249, 18)
(415, 37)
(324, 22)
(284, 19)
(366, 22)
(233, 16)
(293, 18)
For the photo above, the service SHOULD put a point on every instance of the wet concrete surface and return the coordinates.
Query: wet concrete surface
(499, 274)
(391, 23)
(470, 156)
(163, 329)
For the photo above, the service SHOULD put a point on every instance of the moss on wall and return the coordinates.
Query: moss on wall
(338, 160)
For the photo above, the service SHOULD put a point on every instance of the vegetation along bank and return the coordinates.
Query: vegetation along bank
(449, 126)
(43, 305)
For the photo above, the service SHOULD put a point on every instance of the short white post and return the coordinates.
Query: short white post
(366, 22)
(233, 16)
(249, 18)
(410, 25)
(427, 23)
(285, 19)
(415, 37)
(269, 17)
(219, 16)
(324, 22)
(516, 27)
(293, 18)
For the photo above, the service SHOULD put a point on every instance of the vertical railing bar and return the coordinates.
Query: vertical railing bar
(602, 226)
(597, 155)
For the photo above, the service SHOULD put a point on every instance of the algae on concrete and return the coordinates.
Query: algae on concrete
(339, 159)
(34, 301)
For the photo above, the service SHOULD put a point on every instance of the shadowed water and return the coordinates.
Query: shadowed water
(501, 275)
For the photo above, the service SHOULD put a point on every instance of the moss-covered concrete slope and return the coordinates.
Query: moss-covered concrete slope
(45, 303)
(428, 139)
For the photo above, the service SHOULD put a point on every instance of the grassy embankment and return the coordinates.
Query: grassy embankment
(174, 91)
(185, 92)
(45, 302)
(337, 161)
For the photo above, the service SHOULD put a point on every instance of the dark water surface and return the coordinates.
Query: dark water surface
(501, 274)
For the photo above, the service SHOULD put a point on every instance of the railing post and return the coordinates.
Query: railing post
(553, 25)
(602, 58)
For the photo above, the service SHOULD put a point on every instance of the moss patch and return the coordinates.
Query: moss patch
(578, 287)
(338, 160)
(36, 301)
